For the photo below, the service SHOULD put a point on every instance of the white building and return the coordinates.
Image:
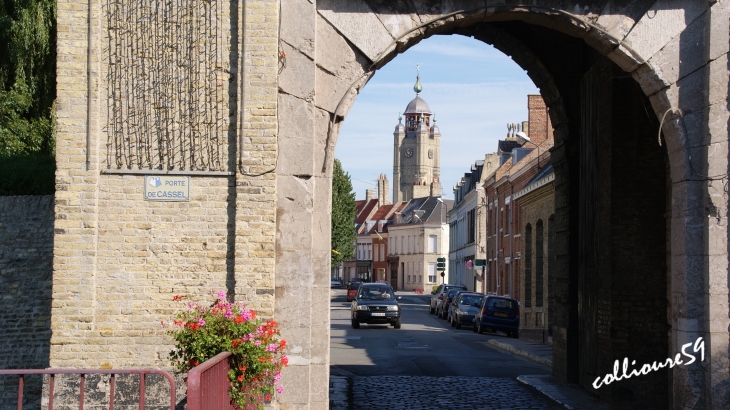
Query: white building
(467, 222)
(417, 238)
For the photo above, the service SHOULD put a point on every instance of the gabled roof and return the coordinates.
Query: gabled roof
(368, 208)
(428, 209)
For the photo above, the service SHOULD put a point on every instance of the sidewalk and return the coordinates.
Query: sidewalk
(569, 396)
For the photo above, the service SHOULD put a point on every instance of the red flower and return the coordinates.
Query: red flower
(282, 344)
(240, 378)
(176, 298)
(253, 314)
(285, 361)
(235, 342)
(215, 311)
(242, 368)
(238, 319)
(268, 397)
(177, 322)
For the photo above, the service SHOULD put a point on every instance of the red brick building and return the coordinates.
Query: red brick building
(520, 162)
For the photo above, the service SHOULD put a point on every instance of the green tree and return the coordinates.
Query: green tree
(27, 76)
(343, 215)
(27, 95)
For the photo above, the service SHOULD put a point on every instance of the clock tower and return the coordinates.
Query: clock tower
(416, 152)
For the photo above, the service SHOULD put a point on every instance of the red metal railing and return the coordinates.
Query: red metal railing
(82, 373)
(208, 384)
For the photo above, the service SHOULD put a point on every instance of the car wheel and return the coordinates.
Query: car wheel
(456, 323)
(480, 329)
(396, 325)
(474, 328)
(431, 309)
(355, 324)
(515, 334)
(453, 323)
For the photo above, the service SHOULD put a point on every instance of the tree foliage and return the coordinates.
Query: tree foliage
(27, 93)
(343, 215)
(27, 75)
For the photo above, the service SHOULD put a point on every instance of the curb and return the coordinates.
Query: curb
(560, 401)
(526, 354)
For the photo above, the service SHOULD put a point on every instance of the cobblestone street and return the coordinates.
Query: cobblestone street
(425, 392)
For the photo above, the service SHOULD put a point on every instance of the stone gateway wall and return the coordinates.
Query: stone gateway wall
(260, 227)
(26, 256)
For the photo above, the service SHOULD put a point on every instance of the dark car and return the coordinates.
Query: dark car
(375, 303)
(440, 294)
(499, 313)
(352, 289)
(464, 309)
(442, 309)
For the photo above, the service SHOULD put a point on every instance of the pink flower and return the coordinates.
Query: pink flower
(257, 343)
(228, 314)
(191, 305)
(271, 348)
(246, 314)
(280, 389)
(201, 322)
(221, 294)
(277, 377)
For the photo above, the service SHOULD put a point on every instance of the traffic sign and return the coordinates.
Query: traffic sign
(441, 264)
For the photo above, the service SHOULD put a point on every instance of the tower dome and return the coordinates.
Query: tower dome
(417, 106)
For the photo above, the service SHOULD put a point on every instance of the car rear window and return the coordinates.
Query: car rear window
(473, 300)
(502, 304)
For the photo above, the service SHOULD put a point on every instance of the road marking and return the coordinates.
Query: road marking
(346, 337)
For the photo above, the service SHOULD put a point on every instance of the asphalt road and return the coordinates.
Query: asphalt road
(425, 364)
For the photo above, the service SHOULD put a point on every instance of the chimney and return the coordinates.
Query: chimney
(383, 190)
(369, 194)
(539, 123)
(526, 127)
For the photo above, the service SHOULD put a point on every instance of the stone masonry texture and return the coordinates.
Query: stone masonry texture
(26, 253)
(261, 232)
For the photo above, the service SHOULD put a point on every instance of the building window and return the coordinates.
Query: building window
(410, 244)
(369, 255)
(528, 266)
(382, 252)
(539, 251)
(420, 278)
(471, 226)
(375, 253)
(431, 272)
(432, 243)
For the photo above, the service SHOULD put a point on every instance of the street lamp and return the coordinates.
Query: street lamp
(523, 137)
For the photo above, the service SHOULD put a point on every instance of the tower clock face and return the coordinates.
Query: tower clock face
(409, 152)
(430, 154)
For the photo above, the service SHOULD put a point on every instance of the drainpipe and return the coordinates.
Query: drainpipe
(511, 240)
(497, 234)
(88, 89)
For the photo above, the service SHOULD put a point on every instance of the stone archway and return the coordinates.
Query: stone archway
(332, 49)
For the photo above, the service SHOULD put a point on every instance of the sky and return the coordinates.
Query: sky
(473, 88)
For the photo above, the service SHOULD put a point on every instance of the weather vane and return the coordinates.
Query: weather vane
(418, 68)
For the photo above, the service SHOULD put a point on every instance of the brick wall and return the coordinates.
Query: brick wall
(26, 245)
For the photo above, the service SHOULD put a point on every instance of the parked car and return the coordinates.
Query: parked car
(353, 280)
(499, 313)
(439, 294)
(375, 303)
(464, 309)
(442, 309)
(335, 283)
(352, 290)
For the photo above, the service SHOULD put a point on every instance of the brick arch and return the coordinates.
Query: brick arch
(333, 48)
